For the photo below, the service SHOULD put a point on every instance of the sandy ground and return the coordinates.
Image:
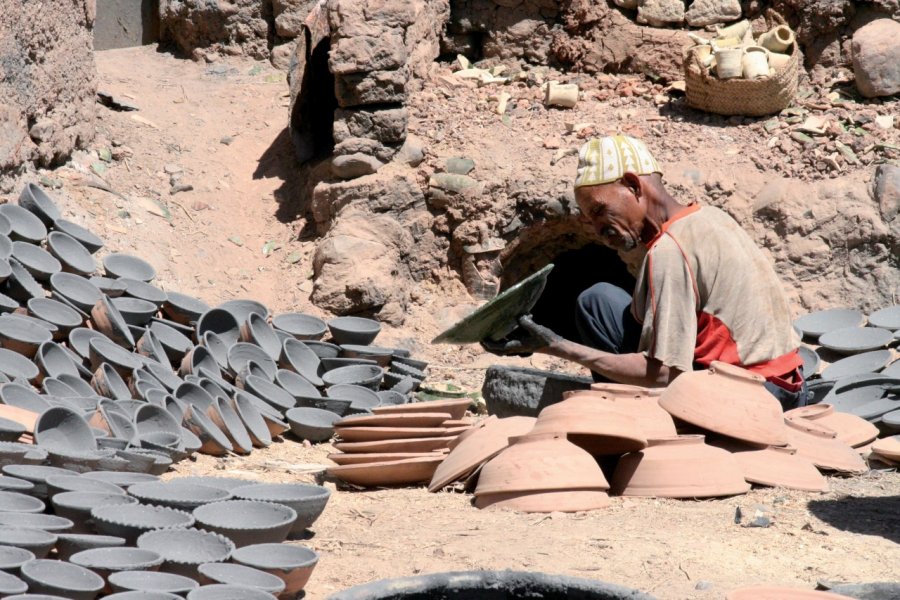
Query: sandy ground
(221, 129)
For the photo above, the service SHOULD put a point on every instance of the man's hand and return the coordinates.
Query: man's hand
(525, 340)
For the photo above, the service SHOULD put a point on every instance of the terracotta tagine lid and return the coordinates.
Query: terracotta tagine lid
(478, 445)
(728, 400)
(850, 429)
(822, 449)
(395, 472)
(542, 502)
(771, 592)
(888, 448)
(540, 463)
(779, 466)
(679, 467)
(592, 425)
(455, 406)
(641, 404)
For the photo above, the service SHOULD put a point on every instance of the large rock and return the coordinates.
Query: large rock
(514, 391)
(876, 58)
(238, 26)
(48, 81)
(710, 12)
(660, 13)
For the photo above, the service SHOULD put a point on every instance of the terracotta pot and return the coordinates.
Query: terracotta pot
(823, 450)
(397, 472)
(552, 501)
(779, 467)
(850, 429)
(728, 400)
(641, 404)
(592, 425)
(888, 448)
(679, 467)
(779, 39)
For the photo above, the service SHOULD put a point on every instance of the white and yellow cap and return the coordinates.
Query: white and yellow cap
(607, 159)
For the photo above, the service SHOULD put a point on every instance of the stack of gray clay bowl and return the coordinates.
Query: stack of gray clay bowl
(863, 376)
(709, 433)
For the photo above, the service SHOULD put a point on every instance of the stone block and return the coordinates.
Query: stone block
(660, 13)
(710, 12)
(387, 126)
(876, 58)
(381, 87)
(364, 54)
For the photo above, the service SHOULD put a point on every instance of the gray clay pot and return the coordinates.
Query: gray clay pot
(40, 263)
(20, 285)
(183, 308)
(80, 339)
(313, 424)
(252, 420)
(10, 430)
(14, 502)
(63, 317)
(815, 324)
(293, 564)
(134, 310)
(120, 265)
(308, 501)
(174, 342)
(271, 393)
(14, 453)
(256, 330)
(247, 522)
(226, 418)
(10, 584)
(20, 335)
(109, 321)
(123, 480)
(419, 365)
(323, 349)
(197, 360)
(241, 309)
(54, 360)
(233, 574)
(362, 375)
(65, 430)
(15, 394)
(222, 323)
(330, 364)
(354, 330)
(149, 581)
(84, 236)
(142, 596)
(72, 543)
(77, 506)
(214, 441)
(217, 348)
(220, 591)
(130, 521)
(50, 523)
(300, 326)
(36, 474)
(391, 398)
(298, 357)
(183, 550)
(242, 353)
(16, 366)
(164, 375)
(294, 384)
(144, 291)
(104, 351)
(150, 418)
(39, 203)
(338, 406)
(14, 484)
(355, 393)
(24, 225)
(37, 541)
(71, 254)
(228, 484)
(177, 494)
(64, 579)
(109, 286)
(104, 561)
(11, 558)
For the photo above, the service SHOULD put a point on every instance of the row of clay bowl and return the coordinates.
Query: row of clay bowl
(398, 445)
(82, 535)
(710, 433)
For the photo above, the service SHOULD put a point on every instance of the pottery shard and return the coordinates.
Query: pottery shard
(887, 190)
(351, 166)
(660, 13)
(709, 12)
(364, 54)
(378, 87)
(876, 58)
(387, 126)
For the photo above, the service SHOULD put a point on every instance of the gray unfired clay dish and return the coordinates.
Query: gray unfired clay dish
(84, 236)
(150, 581)
(65, 579)
(815, 324)
(858, 364)
(177, 494)
(853, 340)
(63, 429)
(308, 501)
(886, 318)
(130, 521)
(72, 543)
(183, 550)
(37, 541)
(77, 290)
(11, 558)
(119, 265)
(10, 584)
(104, 561)
(313, 424)
(221, 591)
(247, 522)
(300, 326)
(15, 502)
(364, 375)
(229, 573)
(354, 330)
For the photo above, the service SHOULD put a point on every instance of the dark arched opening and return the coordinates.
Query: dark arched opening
(312, 117)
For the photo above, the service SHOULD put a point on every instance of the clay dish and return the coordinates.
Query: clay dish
(252, 420)
(37, 541)
(200, 362)
(859, 364)
(213, 440)
(150, 418)
(39, 203)
(888, 448)
(56, 388)
(822, 449)
(61, 578)
(5, 248)
(220, 591)
(182, 308)
(14, 453)
(223, 415)
(20, 285)
(15, 502)
(338, 406)
(10, 430)
(194, 395)
(72, 256)
(234, 574)
(14, 484)
(110, 287)
(390, 473)
(21, 336)
(354, 330)
(322, 349)
(374, 434)
(850, 429)
(53, 360)
(129, 521)
(771, 592)
(57, 484)
(242, 353)
(242, 309)
(679, 467)
(175, 343)
(811, 361)
(363, 375)
(391, 398)
(853, 340)
(476, 448)
(641, 404)
(297, 357)
(50, 523)
(85, 237)
(140, 595)
(329, 364)
(294, 384)
(10, 584)
(345, 458)
(892, 370)
(313, 424)
(217, 348)
(183, 550)
(110, 322)
(151, 582)
(428, 444)
(105, 561)
(300, 326)
(382, 356)
(63, 429)
(886, 318)
(24, 225)
(27, 419)
(593, 426)
(108, 383)
(104, 351)
(247, 522)
(276, 397)
(355, 393)
(852, 394)
(80, 339)
(815, 324)
(40, 263)
(17, 366)
(164, 374)
(728, 400)
(123, 480)
(11, 558)
(69, 544)
(891, 420)
(168, 445)
(134, 310)
(144, 291)
(131, 267)
(7, 304)
(220, 322)
(58, 314)
(293, 564)
(255, 330)
(779, 467)
(455, 406)
(77, 506)
(401, 420)
(308, 501)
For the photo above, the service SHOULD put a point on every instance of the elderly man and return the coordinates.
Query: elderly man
(704, 293)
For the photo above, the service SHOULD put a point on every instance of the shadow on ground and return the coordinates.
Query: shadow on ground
(295, 192)
(878, 516)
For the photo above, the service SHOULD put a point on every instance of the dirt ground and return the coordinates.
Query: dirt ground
(220, 128)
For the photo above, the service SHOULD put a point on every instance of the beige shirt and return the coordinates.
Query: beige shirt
(706, 292)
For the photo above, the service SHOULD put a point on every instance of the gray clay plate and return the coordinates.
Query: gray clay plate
(821, 322)
(886, 318)
(852, 340)
(867, 362)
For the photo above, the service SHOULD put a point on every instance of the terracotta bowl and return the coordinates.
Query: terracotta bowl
(71, 254)
(820, 446)
(388, 473)
(134, 310)
(313, 424)
(213, 440)
(354, 330)
(150, 418)
(130, 521)
(293, 564)
(119, 265)
(39, 203)
(850, 429)
(84, 236)
(221, 322)
(234, 574)
(183, 550)
(298, 357)
(24, 225)
(11, 558)
(247, 522)
(455, 406)
(40, 263)
(776, 466)
(308, 501)
(61, 578)
(362, 375)
(183, 308)
(224, 416)
(109, 321)
(592, 425)
(104, 561)
(72, 543)
(152, 582)
(37, 541)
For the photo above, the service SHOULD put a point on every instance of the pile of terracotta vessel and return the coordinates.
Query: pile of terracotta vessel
(709, 433)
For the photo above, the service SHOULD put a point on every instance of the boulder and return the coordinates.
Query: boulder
(522, 392)
(660, 13)
(710, 12)
(876, 58)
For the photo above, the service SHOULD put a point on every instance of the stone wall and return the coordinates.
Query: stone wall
(48, 81)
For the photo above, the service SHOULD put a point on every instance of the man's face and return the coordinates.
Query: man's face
(615, 211)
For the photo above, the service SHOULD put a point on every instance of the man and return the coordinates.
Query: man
(704, 293)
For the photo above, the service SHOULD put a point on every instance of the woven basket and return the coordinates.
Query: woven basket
(747, 97)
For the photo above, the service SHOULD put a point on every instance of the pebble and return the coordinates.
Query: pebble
(460, 165)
